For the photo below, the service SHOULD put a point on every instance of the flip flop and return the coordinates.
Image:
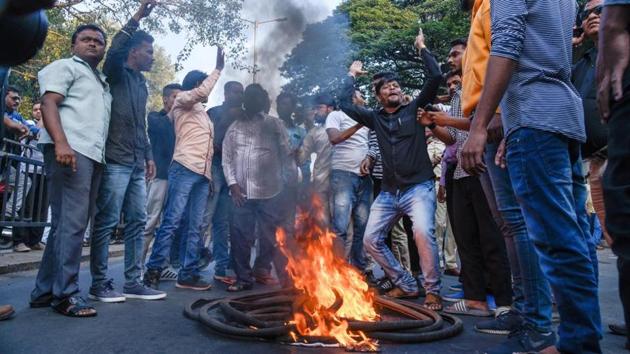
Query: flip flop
(460, 308)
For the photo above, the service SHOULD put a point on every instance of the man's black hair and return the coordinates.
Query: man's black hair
(193, 79)
(285, 95)
(138, 38)
(228, 85)
(255, 99)
(382, 79)
(90, 27)
(168, 89)
(12, 89)
(451, 73)
(459, 41)
(325, 99)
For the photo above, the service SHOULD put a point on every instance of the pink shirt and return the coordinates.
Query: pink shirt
(194, 132)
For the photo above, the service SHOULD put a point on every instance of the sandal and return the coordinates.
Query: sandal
(398, 293)
(75, 306)
(42, 301)
(433, 302)
(460, 308)
(384, 285)
(266, 279)
(236, 287)
(226, 279)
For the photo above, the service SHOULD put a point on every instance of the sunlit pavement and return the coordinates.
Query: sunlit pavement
(159, 327)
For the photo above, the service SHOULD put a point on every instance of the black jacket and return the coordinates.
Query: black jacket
(127, 142)
(401, 139)
(162, 135)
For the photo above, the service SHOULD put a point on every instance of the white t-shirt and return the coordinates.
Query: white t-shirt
(347, 156)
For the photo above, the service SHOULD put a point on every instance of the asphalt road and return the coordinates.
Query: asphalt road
(159, 327)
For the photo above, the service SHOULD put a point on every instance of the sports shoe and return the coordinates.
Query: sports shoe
(196, 283)
(105, 292)
(151, 279)
(504, 324)
(21, 247)
(454, 297)
(169, 274)
(524, 340)
(140, 291)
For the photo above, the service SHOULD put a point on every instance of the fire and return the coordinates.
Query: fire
(333, 292)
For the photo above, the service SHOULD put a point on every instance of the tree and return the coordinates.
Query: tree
(378, 32)
(163, 73)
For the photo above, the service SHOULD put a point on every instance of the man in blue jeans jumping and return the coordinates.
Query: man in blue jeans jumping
(408, 180)
(530, 69)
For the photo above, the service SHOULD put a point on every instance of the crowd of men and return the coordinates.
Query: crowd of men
(492, 174)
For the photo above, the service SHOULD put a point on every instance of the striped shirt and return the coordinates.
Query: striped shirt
(374, 151)
(537, 34)
(460, 136)
(255, 154)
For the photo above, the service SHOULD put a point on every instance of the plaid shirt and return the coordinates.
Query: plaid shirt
(460, 136)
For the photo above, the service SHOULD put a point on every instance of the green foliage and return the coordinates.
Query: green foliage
(380, 33)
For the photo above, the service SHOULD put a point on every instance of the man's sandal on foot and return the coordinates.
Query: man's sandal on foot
(433, 302)
(75, 306)
(460, 308)
(236, 287)
(398, 293)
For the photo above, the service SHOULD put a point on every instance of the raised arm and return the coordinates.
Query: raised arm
(117, 53)
(433, 74)
(187, 99)
(359, 114)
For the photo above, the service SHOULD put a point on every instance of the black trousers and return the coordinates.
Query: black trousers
(617, 192)
(480, 244)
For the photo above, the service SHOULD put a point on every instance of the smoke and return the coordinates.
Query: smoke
(276, 39)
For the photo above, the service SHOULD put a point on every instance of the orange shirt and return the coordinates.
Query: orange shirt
(194, 131)
(475, 61)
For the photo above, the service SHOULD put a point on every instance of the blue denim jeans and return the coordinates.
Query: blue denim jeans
(217, 214)
(532, 294)
(122, 190)
(545, 169)
(351, 196)
(418, 202)
(187, 194)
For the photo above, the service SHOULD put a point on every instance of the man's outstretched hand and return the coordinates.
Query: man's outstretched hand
(356, 69)
(220, 59)
(420, 43)
(146, 6)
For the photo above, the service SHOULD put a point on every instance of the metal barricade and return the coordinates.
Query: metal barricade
(23, 192)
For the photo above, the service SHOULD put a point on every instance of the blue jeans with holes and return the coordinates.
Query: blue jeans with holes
(187, 194)
(351, 196)
(122, 190)
(532, 294)
(418, 202)
(545, 169)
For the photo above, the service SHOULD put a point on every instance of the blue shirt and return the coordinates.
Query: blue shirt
(540, 95)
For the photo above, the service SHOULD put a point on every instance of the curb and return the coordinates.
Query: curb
(21, 267)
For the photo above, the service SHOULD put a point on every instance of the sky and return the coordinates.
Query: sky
(204, 58)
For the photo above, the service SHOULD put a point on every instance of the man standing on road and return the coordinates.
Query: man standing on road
(128, 151)
(219, 208)
(529, 73)
(351, 189)
(613, 76)
(162, 136)
(189, 179)
(76, 106)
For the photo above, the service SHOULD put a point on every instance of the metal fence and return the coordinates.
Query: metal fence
(23, 192)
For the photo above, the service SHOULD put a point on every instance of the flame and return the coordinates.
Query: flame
(333, 291)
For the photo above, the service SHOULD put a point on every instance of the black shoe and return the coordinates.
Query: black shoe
(504, 324)
(618, 329)
(152, 279)
(196, 283)
(524, 340)
(384, 285)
